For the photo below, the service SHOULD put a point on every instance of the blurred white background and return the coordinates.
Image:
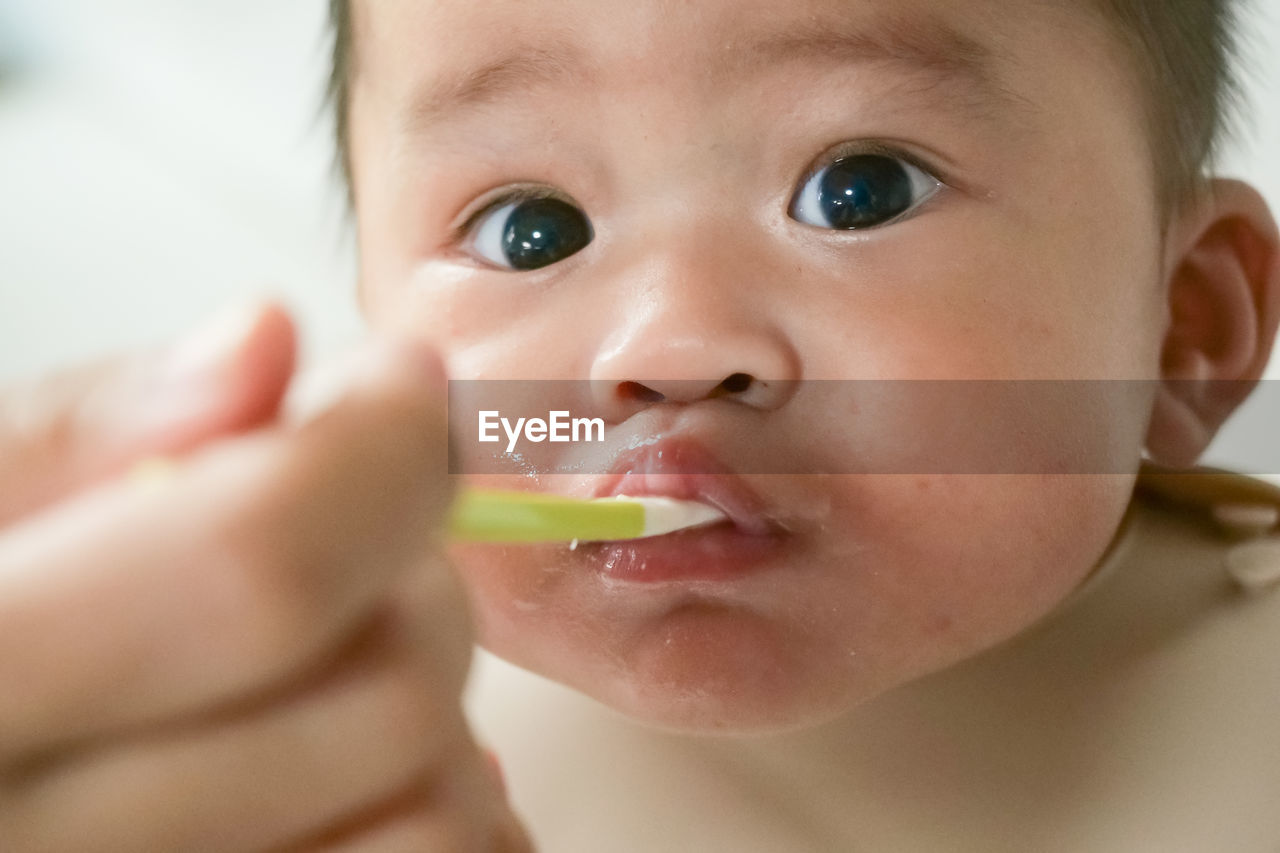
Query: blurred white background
(161, 159)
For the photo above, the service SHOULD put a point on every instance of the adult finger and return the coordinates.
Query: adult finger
(383, 717)
(63, 432)
(465, 813)
(125, 605)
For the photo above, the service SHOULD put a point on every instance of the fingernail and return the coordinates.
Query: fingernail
(203, 350)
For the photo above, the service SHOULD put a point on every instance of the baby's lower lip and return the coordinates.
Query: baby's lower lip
(721, 552)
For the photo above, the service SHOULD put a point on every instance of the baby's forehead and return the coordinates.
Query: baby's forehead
(460, 54)
(1004, 79)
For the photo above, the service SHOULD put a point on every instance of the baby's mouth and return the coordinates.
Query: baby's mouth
(684, 470)
(747, 539)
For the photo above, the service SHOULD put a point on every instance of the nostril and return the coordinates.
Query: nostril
(735, 383)
(641, 393)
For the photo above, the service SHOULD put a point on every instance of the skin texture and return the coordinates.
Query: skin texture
(1040, 258)
(261, 649)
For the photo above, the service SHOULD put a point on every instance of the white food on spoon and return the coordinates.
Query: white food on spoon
(667, 515)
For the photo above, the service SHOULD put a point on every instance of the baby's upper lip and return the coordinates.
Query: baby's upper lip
(684, 469)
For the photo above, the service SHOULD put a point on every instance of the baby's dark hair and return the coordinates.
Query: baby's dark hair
(1183, 55)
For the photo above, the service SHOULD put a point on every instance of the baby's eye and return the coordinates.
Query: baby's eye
(529, 233)
(861, 191)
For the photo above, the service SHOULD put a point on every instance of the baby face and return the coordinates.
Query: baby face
(696, 205)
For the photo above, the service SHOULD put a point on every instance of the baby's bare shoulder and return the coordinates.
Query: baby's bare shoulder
(1183, 646)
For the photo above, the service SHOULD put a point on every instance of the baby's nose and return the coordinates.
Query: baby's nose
(622, 398)
(662, 363)
(696, 312)
(742, 387)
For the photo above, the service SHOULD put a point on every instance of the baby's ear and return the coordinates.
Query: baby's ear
(1223, 257)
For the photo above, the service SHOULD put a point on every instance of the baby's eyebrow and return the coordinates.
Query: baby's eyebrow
(925, 45)
(508, 76)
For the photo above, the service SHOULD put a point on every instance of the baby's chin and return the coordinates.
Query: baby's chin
(709, 672)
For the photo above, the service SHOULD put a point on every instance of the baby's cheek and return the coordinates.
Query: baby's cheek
(971, 560)
(534, 607)
(507, 583)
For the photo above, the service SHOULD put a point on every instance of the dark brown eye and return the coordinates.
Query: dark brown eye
(861, 191)
(530, 233)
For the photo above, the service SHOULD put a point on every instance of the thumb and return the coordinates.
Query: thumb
(64, 432)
